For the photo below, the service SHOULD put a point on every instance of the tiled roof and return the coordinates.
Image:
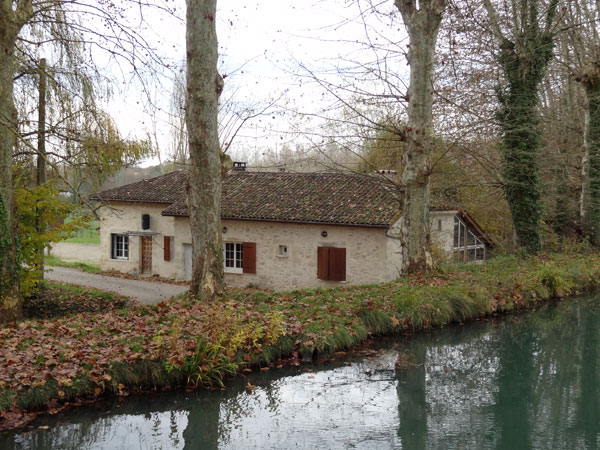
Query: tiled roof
(167, 188)
(273, 196)
(305, 197)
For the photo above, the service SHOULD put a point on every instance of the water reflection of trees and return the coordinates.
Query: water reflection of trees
(567, 397)
(587, 419)
(412, 399)
(450, 391)
(531, 382)
(521, 382)
(336, 408)
(123, 426)
(517, 347)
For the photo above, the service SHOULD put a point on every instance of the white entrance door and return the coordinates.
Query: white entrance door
(187, 258)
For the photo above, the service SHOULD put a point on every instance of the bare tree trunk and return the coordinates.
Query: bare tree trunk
(179, 150)
(204, 188)
(422, 20)
(580, 20)
(41, 157)
(10, 304)
(585, 161)
(591, 84)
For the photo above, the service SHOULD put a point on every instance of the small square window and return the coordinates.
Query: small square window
(283, 250)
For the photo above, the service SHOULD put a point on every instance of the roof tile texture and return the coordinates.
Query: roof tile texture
(333, 198)
(167, 188)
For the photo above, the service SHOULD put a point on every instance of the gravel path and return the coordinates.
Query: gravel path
(148, 292)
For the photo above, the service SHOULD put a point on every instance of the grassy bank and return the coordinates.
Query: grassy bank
(85, 267)
(47, 363)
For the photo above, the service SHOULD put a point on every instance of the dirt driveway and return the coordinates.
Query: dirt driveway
(147, 292)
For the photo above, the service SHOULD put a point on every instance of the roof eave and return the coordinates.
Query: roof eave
(166, 202)
(301, 222)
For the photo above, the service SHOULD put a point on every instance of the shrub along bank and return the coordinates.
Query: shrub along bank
(45, 364)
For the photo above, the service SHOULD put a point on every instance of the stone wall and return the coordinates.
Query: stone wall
(442, 235)
(366, 253)
(124, 217)
(442, 230)
(371, 255)
(75, 252)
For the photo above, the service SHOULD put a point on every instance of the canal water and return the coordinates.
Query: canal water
(519, 382)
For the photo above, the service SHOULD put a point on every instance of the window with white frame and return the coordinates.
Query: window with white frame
(466, 245)
(119, 248)
(233, 257)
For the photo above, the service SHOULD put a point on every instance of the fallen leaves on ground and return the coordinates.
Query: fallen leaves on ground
(135, 276)
(57, 300)
(87, 344)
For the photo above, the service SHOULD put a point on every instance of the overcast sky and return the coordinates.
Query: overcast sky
(263, 45)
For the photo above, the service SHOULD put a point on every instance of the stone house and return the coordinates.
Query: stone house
(280, 230)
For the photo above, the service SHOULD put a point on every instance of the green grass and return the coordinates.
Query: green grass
(37, 397)
(54, 261)
(87, 235)
(339, 318)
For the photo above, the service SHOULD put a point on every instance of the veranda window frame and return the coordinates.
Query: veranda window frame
(462, 239)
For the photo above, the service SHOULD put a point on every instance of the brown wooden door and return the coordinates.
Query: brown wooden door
(146, 254)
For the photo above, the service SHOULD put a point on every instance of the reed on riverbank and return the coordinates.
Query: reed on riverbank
(45, 364)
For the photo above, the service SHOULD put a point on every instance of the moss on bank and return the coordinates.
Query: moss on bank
(45, 364)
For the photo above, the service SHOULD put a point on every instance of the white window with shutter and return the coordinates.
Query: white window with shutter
(239, 257)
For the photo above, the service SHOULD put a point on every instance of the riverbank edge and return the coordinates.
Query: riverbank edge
(339, 319)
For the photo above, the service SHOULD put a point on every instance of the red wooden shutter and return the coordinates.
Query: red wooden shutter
(249, 257)
(323, 263)
(167, 248)
(337, 264)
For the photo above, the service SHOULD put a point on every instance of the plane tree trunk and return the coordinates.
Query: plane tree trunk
(422, 20)
(204, 187)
